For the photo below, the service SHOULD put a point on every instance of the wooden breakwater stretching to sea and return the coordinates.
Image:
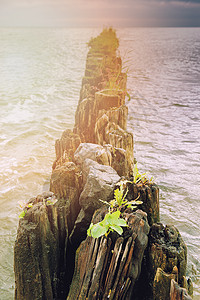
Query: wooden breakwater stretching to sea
(53, 256)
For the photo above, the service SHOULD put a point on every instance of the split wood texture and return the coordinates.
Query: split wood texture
(53, 259)
(107, 267)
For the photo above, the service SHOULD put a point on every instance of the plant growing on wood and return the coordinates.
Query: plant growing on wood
(140, 178)
(120, 197)
(114, 75)
(25, 206)
(114, 82)
(115, 79)
(112, 220)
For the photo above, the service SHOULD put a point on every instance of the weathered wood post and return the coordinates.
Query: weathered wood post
(53, 257)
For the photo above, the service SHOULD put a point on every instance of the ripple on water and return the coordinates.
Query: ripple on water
(164, 116)
(38, 98)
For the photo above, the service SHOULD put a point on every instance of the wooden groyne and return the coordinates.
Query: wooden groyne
(93, 179)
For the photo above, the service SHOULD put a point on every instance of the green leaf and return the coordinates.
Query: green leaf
(118, 194)
(112, 203)
(98, 230)
(106, 220)
(22, 215)
(51, 202)
(121, 222)
(116, 214)
(128, 95)
(89, 229)
(117, 228)
(113, 217)
(151, 179)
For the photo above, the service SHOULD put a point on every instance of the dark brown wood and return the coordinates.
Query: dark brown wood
(48, 236)
(89, 268)
(121, 266)
(103, 248)
(121, 284)
(113, 264)
(110, 266)
(178, 293)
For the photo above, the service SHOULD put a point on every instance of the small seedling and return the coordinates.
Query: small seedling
(25, 207)
(51, 201)
(140, 178)
(112, 220)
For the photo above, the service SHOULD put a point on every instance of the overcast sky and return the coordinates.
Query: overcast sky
(95, 13)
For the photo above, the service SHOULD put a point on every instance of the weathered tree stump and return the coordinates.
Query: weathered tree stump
(108, 267)
(109, 98)
(167, 250)
(112, 267)
(66, 184)
(178, 293)
(162, 283)
(85, 119)
(39, 258)
(65, 147)
(148, 193)
(166, 253)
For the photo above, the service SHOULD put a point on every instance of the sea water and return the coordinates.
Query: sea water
(40, 81)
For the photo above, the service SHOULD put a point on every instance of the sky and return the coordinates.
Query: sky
(96, 13)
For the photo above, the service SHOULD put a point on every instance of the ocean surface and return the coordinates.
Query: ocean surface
(40, 81)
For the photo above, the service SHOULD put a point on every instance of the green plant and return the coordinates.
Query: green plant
(140, 178)
(114, 82)
(114, 75)
(120, 197)
(50, 201)
(112, 220)
(25, 207)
